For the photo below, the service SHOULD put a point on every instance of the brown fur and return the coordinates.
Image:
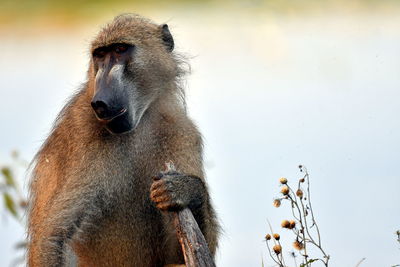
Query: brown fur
(90, 190)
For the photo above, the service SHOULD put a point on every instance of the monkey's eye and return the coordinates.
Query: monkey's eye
(99, 52)
(121, 48)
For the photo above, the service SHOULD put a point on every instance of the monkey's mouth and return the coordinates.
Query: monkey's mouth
(110, 118)
(122, 123)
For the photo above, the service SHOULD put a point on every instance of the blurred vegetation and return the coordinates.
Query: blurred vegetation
(13, 198)
(73, 12)
(67, 13)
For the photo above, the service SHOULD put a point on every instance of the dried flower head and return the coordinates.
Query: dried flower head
(292, 224)
(299, 193)
(298, 245)
(285, 224)
(268, 237)
(285, 190)
(302, 180)
(276, 236)
(277, 249)
(277, 203)
(283, 180)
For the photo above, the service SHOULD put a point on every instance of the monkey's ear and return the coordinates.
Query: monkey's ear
(167, 37)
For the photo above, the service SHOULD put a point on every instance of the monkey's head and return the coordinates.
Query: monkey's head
(131, 66)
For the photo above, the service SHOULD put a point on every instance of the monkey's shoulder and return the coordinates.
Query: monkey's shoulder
(178, 131)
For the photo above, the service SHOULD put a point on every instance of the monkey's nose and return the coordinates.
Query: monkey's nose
(106, 112)
(101, 108)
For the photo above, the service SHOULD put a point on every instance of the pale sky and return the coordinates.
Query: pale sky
(268, 92)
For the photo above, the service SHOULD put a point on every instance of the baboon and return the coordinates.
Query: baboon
(97, 190)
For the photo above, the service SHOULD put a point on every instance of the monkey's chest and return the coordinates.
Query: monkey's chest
(135, 234)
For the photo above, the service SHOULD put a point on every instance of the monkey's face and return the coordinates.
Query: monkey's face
(111, 94)
(129, 75)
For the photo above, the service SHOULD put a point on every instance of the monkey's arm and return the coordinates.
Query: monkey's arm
(71, 213)
(186, 187)
(173, 191)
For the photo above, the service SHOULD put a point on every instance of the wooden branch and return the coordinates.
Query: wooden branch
(194, 246)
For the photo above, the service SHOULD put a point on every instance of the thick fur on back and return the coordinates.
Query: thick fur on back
(92, 187)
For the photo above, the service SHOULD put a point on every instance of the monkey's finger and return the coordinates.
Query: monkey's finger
(161, 199)
(157, 185)
(164, 206)
(158, 192)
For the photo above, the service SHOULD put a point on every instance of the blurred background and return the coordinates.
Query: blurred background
(274, 84)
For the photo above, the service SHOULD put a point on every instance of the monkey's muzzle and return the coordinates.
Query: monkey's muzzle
(106, 114)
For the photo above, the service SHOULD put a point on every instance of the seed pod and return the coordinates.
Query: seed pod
(302, 180)
(299, 193)
(276, 236)
(285, 190)
(277, 203)
(283, 180)
(285, 224)
(298, 245)
(292, 224)
(277, 249)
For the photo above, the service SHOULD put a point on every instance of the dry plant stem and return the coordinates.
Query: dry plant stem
(294, 214)
(307, 178)
(303, 232)
(303, 214)
(194, 246)
(294, 259)
(358, 264)
(272, 256)
(280, 260)
(297, 233)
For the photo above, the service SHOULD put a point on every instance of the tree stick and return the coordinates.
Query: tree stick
(194, 246)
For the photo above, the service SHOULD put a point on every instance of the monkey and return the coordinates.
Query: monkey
(97, 192)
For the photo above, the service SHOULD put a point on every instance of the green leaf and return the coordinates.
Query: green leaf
(308, 262)
(8, 176)
(10, 204)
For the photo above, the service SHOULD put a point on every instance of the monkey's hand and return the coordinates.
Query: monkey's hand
(173, 191)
